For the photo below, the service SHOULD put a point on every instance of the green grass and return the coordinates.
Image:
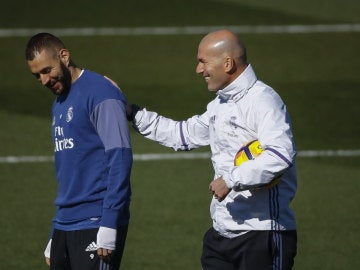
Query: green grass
(326, 207)
(170, 214)
(140, 13)
(334, 10)
(316, 75)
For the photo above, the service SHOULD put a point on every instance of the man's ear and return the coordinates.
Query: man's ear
(229, 65)
(64, 56)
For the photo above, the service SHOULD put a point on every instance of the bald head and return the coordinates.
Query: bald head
(226, 43)
(222, 58)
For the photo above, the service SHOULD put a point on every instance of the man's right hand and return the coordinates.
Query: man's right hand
(131, 110)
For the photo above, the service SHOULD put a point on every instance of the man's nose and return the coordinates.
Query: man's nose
(199, 68)
(44, 79)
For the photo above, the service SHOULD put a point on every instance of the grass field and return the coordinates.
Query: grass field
(317, 75)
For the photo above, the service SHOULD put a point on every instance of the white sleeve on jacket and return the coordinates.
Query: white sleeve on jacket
(179, 135)
(271, 121)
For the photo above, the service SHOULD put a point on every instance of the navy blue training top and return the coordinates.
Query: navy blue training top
(93, 155)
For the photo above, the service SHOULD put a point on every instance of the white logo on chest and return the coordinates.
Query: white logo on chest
(70, 114)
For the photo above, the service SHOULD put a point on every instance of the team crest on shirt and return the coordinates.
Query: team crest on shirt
(70, 114)
(233, 122)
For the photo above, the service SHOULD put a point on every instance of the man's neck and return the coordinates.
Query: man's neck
(75, 73)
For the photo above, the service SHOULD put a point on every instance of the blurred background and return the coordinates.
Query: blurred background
(316, 74)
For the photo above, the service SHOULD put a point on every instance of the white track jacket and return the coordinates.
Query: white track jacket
(244, 111)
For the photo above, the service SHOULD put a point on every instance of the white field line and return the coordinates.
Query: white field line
(185, 155)
(183, 30)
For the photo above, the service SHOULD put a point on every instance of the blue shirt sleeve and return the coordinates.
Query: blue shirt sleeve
(109, 120)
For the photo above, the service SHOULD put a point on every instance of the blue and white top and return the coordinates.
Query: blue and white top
(93, 155)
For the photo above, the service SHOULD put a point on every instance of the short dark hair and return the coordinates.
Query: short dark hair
(42, 41)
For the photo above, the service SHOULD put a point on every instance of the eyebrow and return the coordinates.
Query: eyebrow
(44, 70)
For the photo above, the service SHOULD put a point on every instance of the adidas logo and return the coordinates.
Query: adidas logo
(91, 247)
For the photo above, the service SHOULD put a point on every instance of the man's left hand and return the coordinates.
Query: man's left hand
(104, 254)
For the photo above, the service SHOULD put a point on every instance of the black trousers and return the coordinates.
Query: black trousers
(76, 250)
(254, 250)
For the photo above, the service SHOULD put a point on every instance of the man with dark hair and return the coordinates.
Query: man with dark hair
(93, 160)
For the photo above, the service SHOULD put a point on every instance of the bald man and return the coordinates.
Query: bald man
(253, 225)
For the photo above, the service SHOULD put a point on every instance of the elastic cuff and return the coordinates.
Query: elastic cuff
(228, 182)
(113, 218)
(137, 115)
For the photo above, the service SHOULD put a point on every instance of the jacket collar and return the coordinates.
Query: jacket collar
(240, 86)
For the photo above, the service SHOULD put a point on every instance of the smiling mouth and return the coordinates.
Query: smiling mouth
(55, 87)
